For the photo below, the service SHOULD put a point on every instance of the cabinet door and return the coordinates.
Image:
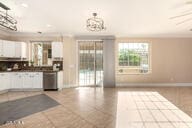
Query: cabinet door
(18, 49)
(60, 80)
(1, 48)
(8, 49)
(2, 85)
(23, 50)
(28, 80)
(5, 81)
(57, 49)
(16, 81)
(38, 80)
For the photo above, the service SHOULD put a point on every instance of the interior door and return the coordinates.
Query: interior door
(90, 63)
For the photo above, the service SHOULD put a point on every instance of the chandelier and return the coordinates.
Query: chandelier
(95, 24)
(6, 20)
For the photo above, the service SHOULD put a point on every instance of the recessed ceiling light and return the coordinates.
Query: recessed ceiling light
(24, 5)
(48, 25)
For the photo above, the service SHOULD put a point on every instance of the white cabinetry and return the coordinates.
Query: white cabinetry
(8, 49)
(57, 50)
(12, 49)
(38, 80)
(27, 80)
(33, 80)
(1, 48)
(60, 80)
(16, 80)
(5, 81)
(20, 50)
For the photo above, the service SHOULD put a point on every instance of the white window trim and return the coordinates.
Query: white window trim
(127, 67)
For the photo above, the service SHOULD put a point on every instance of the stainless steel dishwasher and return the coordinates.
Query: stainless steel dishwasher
(50, 81)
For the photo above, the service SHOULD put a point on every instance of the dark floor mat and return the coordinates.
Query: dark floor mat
(16, 109)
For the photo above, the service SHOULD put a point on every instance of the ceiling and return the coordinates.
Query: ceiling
(122, 17)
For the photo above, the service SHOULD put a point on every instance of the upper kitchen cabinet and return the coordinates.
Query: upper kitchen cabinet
(8, 49)
(20, 50)
(57, 50)
(13, 49)
(1, 48)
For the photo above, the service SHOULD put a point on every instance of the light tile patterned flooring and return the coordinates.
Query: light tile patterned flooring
(160, 107)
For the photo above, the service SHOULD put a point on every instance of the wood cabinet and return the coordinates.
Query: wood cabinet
(57, 50)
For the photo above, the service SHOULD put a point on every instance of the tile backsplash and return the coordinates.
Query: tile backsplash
(9, 64)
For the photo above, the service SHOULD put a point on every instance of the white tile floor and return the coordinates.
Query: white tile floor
(159, 107)
(149, 110)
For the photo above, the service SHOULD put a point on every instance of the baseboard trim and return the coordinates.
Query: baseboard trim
(4, 91)
(69, 86)
(154, 85)
(27, 89)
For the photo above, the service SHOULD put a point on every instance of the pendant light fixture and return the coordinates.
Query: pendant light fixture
(6, 20)
(95, 24)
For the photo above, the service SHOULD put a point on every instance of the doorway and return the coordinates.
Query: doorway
(90, 63)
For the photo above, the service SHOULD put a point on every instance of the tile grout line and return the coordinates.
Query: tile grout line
(74, 112)
(143, 124)
(79, 116)
(162, 112)
(43, 113)
(91, 107)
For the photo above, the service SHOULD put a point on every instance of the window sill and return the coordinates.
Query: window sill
(134, 73)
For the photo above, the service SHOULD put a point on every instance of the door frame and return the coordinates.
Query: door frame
(77, 64)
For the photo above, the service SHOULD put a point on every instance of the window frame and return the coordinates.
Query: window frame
(135, 67)
(32, 52)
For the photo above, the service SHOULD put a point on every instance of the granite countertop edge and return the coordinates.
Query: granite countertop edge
(30, 71)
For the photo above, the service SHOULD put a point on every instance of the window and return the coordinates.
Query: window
(41, 53)
(134, 58)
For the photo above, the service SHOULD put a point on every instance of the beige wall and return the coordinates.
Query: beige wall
(171, 61)
(69, 62)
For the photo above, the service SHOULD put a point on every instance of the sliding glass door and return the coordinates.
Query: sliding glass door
(90, 63)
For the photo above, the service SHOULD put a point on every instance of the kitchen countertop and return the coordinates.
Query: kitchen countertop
(30, 71)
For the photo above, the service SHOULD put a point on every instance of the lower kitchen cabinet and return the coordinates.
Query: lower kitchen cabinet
(16, 80)
(38, 80)
(5, 81)
(27, 80)
(60, 80)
